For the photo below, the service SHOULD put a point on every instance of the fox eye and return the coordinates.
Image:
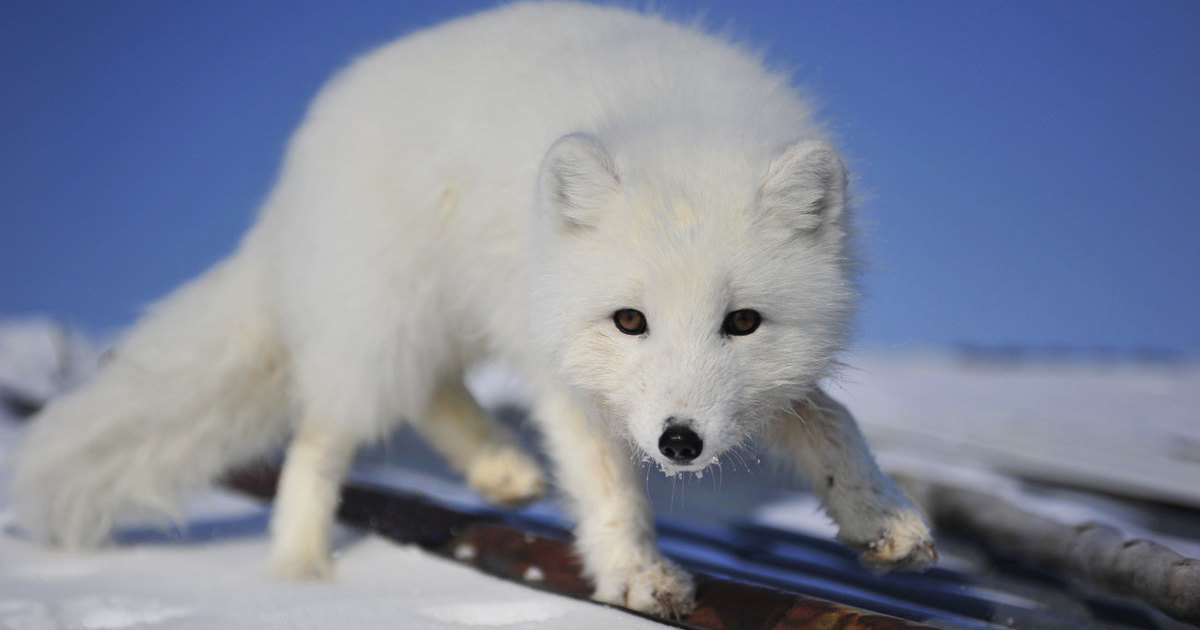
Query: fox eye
(741, 323)
(630, 321)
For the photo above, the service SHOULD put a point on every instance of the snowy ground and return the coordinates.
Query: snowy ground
(1125, 428)
(210, 577)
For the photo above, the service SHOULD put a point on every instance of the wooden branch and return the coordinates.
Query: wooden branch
(1095, 552)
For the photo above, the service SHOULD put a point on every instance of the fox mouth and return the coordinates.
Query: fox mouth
(672, 469)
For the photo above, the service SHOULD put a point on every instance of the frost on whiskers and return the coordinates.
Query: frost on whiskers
(672, 472)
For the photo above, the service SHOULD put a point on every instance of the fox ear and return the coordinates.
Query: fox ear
(577, 180)
(805, 186)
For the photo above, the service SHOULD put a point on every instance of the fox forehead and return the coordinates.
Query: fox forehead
(681, 219)
(685, 242)
(683, 215)
(672, 267)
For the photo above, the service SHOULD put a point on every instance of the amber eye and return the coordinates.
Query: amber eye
(743, 322)
(630, 321)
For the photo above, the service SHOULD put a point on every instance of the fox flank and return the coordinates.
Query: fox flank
(638, 215)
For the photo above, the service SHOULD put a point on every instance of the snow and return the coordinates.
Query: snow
(533, 574)
(214, 580)
(504, 613)
(90, 613)
(210, 576)
(217, 584)
(1119, 426)
(1124, 427)
(39, 357)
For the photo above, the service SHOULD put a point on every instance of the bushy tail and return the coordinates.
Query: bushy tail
(198, 385)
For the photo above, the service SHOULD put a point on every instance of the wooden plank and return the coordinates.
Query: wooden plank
(548, 563)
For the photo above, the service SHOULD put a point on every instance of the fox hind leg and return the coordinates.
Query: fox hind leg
(484, 451)
(317, 461)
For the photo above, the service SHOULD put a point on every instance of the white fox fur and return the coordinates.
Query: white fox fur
(502, 185)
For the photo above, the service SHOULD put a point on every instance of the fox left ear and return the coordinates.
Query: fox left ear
(805, 186)
(578, 178)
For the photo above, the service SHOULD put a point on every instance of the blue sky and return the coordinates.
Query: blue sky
(1028, 172)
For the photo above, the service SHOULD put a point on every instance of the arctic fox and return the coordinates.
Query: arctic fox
(638, 215)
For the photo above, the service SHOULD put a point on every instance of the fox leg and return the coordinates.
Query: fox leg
(614, 532)
(821, 439)
(317, 461)
(480, 448)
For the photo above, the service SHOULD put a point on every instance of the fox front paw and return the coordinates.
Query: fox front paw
(902, 542)
(506, 476)
(656, 587)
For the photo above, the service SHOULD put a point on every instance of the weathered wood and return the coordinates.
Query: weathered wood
(1095, 552)
(547, 562)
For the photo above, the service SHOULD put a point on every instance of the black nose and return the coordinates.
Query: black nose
(680, 443)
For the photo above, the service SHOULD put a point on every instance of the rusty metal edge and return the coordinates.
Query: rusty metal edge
(546, 561)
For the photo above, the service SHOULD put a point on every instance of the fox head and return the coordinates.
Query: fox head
(686, 297)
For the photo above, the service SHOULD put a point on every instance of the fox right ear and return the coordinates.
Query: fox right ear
(577, 180)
